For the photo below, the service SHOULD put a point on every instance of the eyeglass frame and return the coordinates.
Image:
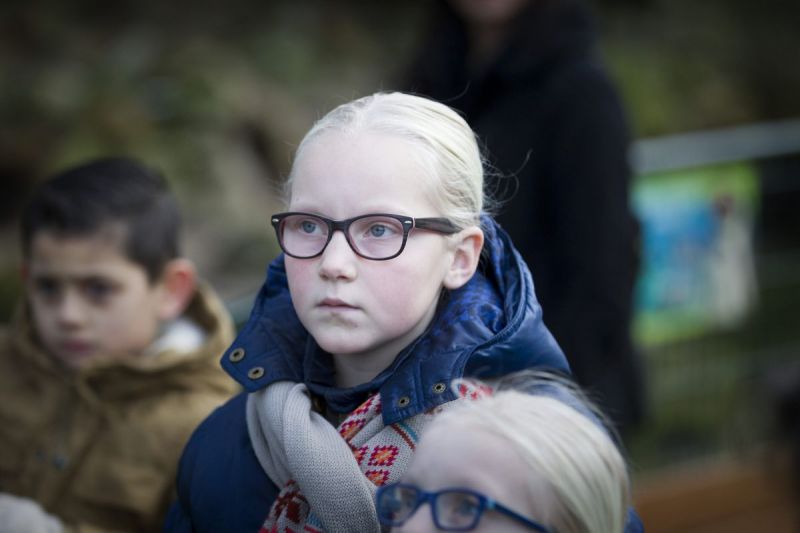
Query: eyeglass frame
(441, 225)
(430, 498)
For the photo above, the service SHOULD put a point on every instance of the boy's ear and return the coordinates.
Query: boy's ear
(467, 253)
(178, 284)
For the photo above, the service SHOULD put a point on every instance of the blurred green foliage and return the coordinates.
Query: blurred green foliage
(685, 66)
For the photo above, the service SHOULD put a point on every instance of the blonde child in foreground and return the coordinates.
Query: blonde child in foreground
(111, 359)
(512, 461)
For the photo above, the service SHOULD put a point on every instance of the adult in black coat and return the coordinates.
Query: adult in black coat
(527, 77)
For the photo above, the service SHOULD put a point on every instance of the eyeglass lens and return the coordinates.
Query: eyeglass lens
(457, 509)
(451, 509)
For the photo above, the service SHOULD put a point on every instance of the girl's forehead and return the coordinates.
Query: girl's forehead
(367, 169)
(378, 151)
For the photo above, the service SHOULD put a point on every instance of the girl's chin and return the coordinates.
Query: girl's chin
(343, 349)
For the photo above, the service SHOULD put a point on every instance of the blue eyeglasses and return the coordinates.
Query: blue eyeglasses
(453, 509)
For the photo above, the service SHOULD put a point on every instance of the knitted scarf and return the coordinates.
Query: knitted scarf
(328, 476)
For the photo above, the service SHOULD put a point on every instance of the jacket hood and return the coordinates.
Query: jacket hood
(489, 327)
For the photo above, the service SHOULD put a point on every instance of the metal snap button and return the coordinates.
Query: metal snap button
(256, 372)
(236, 355)
(403, 401)
(439, 388)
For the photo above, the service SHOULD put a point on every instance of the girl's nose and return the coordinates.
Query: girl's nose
(338, 261)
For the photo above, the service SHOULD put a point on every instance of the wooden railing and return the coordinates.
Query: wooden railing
(721, 496)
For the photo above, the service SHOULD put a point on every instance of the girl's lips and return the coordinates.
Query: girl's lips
(335, 303)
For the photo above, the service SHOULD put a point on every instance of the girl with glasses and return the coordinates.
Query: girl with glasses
(393, 282)
(558, 469)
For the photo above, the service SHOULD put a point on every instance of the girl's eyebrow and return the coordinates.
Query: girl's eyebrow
(311, 205)
(313, 210)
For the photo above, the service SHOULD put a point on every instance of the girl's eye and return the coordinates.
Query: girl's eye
(308, 226)
(378, 230)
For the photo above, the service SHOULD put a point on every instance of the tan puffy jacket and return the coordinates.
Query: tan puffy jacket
(99, 448)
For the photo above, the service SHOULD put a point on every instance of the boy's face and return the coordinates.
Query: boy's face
(89, 301)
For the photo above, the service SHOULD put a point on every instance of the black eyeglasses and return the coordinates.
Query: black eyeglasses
(454, 509)
(378, 236)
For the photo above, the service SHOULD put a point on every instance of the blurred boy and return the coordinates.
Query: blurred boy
(112, 360)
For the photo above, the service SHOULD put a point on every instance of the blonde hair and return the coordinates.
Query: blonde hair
(447, 148)
(568, 450)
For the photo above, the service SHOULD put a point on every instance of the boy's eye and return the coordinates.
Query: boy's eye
(46, 287)
(98, 290)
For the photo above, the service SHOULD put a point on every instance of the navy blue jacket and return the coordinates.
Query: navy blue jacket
(490, 327)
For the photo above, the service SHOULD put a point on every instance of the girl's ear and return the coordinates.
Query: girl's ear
(466, 254)
(178, 284)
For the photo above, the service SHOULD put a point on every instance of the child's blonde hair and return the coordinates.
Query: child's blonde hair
(447, 148)
(572, 453)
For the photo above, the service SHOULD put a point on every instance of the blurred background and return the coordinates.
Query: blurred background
(218, 95)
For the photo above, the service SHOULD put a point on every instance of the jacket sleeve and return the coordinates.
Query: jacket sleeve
(177, 519)
(221, 485)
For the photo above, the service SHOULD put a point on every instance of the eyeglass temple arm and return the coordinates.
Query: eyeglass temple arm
(491, 504)
(442, 225)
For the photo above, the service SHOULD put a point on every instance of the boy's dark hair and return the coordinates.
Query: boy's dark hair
(81, 200)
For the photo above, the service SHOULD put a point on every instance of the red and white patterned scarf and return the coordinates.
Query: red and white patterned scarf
(329, 475)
